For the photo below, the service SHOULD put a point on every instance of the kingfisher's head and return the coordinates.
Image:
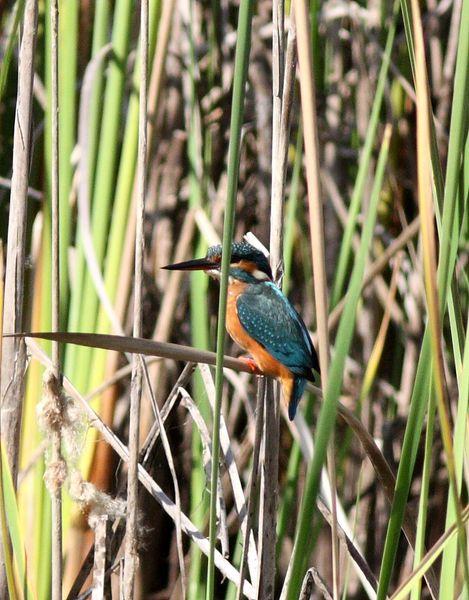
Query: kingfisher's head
(247, 263)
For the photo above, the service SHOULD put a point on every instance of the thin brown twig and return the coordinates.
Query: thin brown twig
(349, 545)
(270, 445)
(157, 72)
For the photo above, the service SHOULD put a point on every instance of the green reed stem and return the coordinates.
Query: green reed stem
(243, 46)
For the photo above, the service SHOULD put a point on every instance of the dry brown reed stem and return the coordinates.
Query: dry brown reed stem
(142, 346)
(271, 423)
(55, 480)
(251, 492)
(288, 94)
(269, 489)
(13, 352)
(316, 222)
(280, 145)
(279, 164)
(308, 106)
(277, 191)
(131, 545)
(99, 566)
(157, 72)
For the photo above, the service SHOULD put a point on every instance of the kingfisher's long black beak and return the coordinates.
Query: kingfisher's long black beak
(198, 264)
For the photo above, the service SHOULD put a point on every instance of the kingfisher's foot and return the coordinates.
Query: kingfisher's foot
(251, 364)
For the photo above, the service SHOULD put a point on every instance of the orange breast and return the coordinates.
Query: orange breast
(266, 363)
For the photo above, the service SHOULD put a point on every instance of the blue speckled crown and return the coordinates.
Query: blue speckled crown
(243, 251)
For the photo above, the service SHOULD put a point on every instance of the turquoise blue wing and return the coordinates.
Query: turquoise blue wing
(269, 317)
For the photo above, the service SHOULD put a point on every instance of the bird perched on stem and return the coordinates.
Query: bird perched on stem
(262, 320)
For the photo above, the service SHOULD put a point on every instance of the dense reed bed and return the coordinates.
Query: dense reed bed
(133, 135)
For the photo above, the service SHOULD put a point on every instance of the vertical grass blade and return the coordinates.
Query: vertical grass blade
(421, 387)
(429, 261)
(326, 420)
(454, 198)
(243, 46)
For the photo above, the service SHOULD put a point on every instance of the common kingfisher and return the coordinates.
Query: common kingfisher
(262, 320)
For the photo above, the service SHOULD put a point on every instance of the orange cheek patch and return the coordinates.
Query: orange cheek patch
(246, 265)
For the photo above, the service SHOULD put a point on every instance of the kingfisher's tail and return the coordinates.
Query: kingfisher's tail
(293, 389)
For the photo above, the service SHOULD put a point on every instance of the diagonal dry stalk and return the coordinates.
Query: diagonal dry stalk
(199, 422)
(429, 558)
(239, 496)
